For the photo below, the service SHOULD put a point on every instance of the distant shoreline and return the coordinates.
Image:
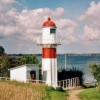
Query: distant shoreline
(67, 54)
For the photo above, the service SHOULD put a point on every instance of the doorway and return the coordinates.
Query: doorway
(33, 75)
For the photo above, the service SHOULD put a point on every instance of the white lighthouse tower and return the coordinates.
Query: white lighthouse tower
(49, 43)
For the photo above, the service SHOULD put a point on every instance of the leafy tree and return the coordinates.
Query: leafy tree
(7, 62)
(2, 51)
(29, 59)
(4, 66)
(95, 69)
(14, 62)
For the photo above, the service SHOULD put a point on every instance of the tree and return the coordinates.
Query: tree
(14, 62)
(7, 62)
(29, 59)
(95, 69)
(4, 66)
(2, 51)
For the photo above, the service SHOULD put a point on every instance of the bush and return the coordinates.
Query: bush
(59, 89)
(95, 69)
(71, 73)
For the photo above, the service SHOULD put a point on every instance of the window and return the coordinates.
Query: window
(52, 31)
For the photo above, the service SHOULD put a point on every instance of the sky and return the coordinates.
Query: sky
(77, 21)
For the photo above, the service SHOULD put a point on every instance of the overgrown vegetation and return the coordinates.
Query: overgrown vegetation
(95, 69)
(90, 94)
(28, 91)
(71, 73)
(27, 59)
(2, 51)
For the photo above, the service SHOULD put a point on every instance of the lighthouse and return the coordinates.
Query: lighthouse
(49, 43)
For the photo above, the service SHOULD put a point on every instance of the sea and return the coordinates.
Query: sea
(80, 62)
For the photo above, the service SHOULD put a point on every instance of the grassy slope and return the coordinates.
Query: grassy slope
(90, 94)
(12, 90)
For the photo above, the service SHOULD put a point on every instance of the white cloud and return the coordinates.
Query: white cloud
(19, 29)
(66, 30)
(91, 33)
(26, 25)
(91, 20)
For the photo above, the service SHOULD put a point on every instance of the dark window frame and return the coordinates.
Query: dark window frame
(52, 31)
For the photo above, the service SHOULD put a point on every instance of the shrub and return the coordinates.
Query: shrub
(95, 69)
(59, 89)
(71, 73)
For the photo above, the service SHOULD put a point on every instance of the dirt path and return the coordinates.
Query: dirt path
(73, 94)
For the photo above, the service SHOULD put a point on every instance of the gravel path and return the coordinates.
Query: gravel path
(73, 94)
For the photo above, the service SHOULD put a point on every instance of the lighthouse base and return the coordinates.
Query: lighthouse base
(49, 71)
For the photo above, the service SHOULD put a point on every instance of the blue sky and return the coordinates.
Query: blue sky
(73, 7)
(77, 22)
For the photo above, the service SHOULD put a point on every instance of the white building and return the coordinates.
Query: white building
(25, 73)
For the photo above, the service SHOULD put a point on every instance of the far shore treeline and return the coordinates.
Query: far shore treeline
(67, 54)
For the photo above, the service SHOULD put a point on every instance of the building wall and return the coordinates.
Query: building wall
(47, 37)
(18, 74)
(50, 67)
(22, 73)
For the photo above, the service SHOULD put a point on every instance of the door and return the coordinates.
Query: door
(33, 75)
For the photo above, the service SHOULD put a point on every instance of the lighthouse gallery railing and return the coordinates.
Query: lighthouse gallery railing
(41, 41)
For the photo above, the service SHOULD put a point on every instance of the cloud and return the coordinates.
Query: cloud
(26, 25)
(91, 20)
(66, 30)
(19, 29)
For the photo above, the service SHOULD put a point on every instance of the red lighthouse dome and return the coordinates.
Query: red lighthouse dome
(49, 23)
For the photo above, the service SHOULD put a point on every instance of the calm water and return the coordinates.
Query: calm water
(80, 62)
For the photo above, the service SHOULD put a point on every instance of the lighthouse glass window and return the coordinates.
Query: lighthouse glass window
(52, 31)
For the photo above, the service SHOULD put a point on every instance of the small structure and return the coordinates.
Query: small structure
(24, 73)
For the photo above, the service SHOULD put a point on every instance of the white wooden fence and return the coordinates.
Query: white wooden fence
(69, 83)
(36, 81)
(4, 78)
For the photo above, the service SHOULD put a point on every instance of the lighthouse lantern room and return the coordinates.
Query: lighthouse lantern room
(49, 43)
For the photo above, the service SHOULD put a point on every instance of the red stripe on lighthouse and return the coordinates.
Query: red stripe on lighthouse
(49, 53)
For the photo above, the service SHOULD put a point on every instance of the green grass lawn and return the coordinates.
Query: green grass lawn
(13, 90)
(90, 94)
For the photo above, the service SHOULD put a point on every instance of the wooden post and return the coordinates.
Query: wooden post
(71, 82)
(63, 83)
(75, 82)
(66, 84)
